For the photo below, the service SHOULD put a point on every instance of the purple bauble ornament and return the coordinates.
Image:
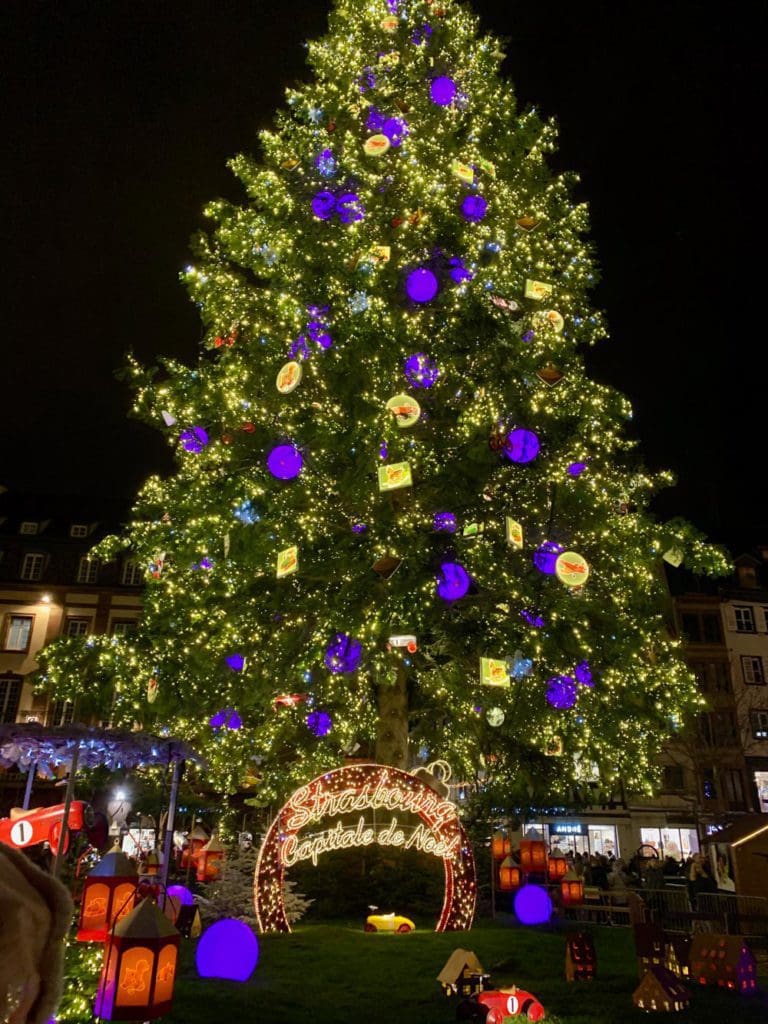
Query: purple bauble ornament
(452, 581)
(545, 556)
(349, 208)
(235, 662)
(421, 285)
(396, 129)
(561, 692)
(319, 722)
(285, 462)
(442, 91)
(194, 439)
(444, 522)
(325, 162)
(324, 205)
(522, 446)
(421, 371)
(576, 468)
(532, 618)
(474, 208)
(343, 654)
(583, 674)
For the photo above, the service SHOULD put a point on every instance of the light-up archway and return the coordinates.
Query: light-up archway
(356, 789)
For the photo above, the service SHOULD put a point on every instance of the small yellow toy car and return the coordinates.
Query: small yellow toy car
(388, 923)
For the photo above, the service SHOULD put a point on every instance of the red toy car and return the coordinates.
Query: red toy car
(27, 828)
(498, 1005)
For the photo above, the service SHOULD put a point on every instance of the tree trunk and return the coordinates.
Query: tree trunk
(392, 729)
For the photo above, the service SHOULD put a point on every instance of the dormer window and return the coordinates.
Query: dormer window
(29, 529)
(78, 530)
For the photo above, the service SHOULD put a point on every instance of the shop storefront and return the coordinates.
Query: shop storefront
(583, 837)
(669, 841)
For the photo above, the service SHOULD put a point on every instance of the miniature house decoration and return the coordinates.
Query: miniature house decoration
(209, 860)
(463, 974)
(678, 958)
(557, 868)
(196, 840)
(660, 990)
(501, 846)
(650, 948)
(723, 960)
(580, 957)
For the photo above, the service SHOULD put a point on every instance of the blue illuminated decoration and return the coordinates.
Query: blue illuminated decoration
(246, 513)
(325, 162)
(474, 208)
(532, 618)
(576, 468)
(444, 522)
(583, 674)
(235, 661)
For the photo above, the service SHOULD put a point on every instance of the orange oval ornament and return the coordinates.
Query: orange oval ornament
(289, 378)
(389, 24)
(376, 145)
(572, 569)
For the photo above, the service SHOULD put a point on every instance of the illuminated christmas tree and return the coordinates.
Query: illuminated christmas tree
(404, 523)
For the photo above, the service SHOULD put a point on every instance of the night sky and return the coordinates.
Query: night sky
(119, 117)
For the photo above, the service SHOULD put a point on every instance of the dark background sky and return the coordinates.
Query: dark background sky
(118, 118)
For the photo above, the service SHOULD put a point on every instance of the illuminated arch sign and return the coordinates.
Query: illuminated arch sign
(327, 807)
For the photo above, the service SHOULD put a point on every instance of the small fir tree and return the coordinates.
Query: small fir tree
(390, 434)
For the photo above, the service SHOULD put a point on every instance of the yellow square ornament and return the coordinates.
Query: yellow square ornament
(494, 672)
(463, 172)
(395, 476)
(537, 290)
(514, 532)
(287, 562)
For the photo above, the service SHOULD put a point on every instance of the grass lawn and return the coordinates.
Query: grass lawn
(327, 973)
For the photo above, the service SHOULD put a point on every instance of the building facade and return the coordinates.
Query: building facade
(50, 587)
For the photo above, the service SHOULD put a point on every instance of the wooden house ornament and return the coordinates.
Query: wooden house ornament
(580, 957)
(463, 974)
(660, 990)
(678, 958)
(725, 961)
(650, 948)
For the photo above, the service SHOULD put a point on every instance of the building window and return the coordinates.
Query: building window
(30, 529)
(701, 628)
(32, 567)
(745, 619)
(62, 712)
(765, 619)
(78, 530)
(734, 786)
(88, 570)
(132, 574)
(759, 723)
(752, 670)
(77, 627)
(708, 783)
(712, 676)
(10, 697)
(724, 729)
(18, 632)
(124, 627)
(673, 778)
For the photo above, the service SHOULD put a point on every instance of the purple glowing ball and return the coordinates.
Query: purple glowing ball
(234, 722)
(359, 527)
(421, 285)
(452, 581)
(343, 654)
(421, 371)
(533, 905)
(285, 462)
(227, 949)
(576, 468)
(522, 446)
(182, 894)
(235, 662)
(545, 556)
(194, 439)
(319, 722)
(561, 692)
(325, 162)
(217, 721)
(349, 208)
(444, 522)
(442, 91)
(324, 205)
(474, 208)
(395, 129)
(457, 270)
(583, 674)
(532, 618)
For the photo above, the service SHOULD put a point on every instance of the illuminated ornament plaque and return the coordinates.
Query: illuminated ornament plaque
(390, 24)
(289, 377)
(331, 799)
(405, 409)
(495, 717)
(376, 145)
(513, 532)
(572, 569)
(537, 290)
(394, 476)
(287, 562)
(494, 672)
(551, 318)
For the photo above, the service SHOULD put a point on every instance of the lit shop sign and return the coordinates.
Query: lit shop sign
(354, 790)
(569, 828)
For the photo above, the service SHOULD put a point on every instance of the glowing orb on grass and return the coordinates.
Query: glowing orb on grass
(182, 894)
(532, 905)
(228, 949)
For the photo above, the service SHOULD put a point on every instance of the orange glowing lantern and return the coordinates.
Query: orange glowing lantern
(557, 868)
(501, 846)
(139, 969)
(197, 839)
(107, 896)
(510, 875)
(533, 855)
(209, 860)
(571, 888)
